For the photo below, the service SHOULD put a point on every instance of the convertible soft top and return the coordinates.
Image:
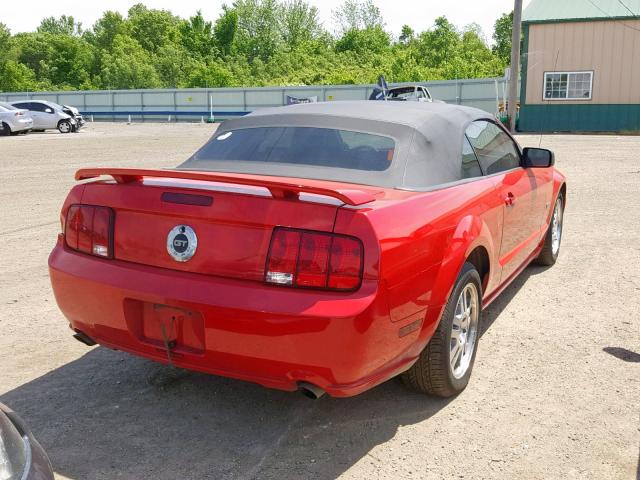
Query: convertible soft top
(428, 140)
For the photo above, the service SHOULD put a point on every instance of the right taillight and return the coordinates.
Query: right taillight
(89, 229)
(300, 258)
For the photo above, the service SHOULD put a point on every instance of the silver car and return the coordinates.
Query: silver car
(21, 456)
(14, 120)
(47, 115)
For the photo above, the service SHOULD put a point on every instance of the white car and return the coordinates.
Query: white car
(14, 120)
(412, 93)
(47, 115)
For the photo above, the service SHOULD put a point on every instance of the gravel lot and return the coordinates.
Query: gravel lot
(555, 391)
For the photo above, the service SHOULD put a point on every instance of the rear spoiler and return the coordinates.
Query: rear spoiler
(278, 188)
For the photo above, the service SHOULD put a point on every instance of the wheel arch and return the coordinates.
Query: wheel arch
(472, 242)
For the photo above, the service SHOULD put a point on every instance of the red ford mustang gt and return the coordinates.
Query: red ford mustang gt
(318, 247)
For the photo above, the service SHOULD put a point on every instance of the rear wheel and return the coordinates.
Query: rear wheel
(551, 248)
(444, 366)
(64, 126)
(6, 129)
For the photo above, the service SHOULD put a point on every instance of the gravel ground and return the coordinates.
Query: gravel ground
(554, 393)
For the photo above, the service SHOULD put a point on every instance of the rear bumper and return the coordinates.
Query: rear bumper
(274, 336)
(21, 125)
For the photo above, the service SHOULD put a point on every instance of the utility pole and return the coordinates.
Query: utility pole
(515, 65)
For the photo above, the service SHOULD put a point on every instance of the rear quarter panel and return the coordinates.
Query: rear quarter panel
(422, 242)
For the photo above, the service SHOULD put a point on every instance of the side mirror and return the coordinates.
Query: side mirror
(538, 158)
(48, 110)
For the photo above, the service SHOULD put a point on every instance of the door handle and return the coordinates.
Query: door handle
(509, 199)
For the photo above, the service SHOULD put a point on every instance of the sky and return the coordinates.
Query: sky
(418, 14)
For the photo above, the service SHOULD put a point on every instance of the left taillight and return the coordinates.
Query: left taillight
(89, 229)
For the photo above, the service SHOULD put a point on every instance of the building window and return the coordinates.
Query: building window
(568, 85)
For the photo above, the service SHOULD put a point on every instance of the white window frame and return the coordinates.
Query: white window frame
(568, 73)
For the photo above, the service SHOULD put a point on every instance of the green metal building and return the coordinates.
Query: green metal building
(580, 66)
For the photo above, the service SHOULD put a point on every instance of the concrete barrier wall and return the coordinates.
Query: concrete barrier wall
(194, 104)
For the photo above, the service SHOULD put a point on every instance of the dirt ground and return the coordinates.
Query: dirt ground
(555, 392)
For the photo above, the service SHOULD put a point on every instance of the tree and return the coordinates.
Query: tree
(502, 32)
(105, 30)
(173, 64)
(197, 37)
(258, 33)
(151, 28)
(368, 40)
(5, 35)
(440, 44)
(210, 75)
(356, 14)
(300, 23)
(16, 77)
(406, 34)
(251, 43)
(60, 26)
(225, 29)
(128, 66)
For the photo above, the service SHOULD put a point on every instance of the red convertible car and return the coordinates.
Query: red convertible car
(318, 247)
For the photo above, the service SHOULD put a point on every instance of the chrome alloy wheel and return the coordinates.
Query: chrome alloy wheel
(556, 227)
(464, 330)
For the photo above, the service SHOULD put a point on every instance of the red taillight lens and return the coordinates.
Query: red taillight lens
(314, 260)
(89, 229)
(346, 263)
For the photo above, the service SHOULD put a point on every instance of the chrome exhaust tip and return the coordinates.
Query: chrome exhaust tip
(310, 390)
(84, 338)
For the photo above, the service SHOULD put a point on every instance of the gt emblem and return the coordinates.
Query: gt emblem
(182, 243)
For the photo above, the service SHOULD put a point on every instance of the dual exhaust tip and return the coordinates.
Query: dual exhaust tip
(307, 389)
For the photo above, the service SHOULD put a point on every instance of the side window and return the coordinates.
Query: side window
(37, 107)
(25, 105)
(470, 165)
(495, 150)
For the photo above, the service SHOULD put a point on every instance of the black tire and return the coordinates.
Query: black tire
(432, 373)
(6, 130)
(547, 256)
(64, 126)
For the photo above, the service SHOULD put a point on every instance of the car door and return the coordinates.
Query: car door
(46, 114)
(500, 159)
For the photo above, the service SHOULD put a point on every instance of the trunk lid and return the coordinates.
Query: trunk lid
(233, 222)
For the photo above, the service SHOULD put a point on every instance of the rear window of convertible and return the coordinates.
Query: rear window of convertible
(312, 146)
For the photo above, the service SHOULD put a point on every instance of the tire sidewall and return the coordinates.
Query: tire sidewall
(467, 274)
(64, 122)
(549, 238)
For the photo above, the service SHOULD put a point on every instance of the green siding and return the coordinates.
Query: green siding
(561, 10)
(550, 117)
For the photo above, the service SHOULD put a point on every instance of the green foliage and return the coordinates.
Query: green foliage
(197, 37)
(251, 43)
(225, 29)
(357, 15)
(60, 26)
(407, 34)
(502, 32)
(365, 41)
(128, 66)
